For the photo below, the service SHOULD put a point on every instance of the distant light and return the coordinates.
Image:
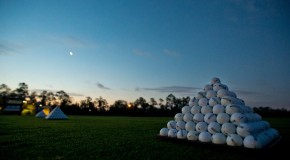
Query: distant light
(129, 105)
(46, 110)
(71, 53)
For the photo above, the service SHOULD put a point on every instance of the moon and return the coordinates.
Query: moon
(71, 53)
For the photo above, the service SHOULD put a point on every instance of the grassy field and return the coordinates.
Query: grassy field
(97, 137)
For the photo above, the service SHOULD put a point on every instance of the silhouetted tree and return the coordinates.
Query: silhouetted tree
(141, 102)
(63, 97)
(271, 112)
(119, 107)
(153, 102)
(101, 104)
(22, 91)
(4, 90)
(47, 98)
(162, 106)
(170, 101)
(33, 97)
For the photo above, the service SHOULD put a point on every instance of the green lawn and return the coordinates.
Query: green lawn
(100, 137)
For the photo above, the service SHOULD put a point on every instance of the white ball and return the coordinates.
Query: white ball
(244, 129)
(213, 101)
(210, 94)
(215, 80)
(253, 117)
(218, 108)
(192, 135)
(190, 126)
(210, 117)
(234, 140)
(198, 117)
(171, 124)
(218, 138)
(202, 102)
(232, 94)
(271, 134)
(172, 133)
(248, 109)
(221, 93)
(226, 100)
(195, 109)
(206, 109)
(222, 118)
(238, 118)
(188, 117)
(207, 87)
(263, 139)
(182, 134)
(233, 108)
(257, 117)
(214, 127)
(180, 125)
(250, 142)
(265, 125)
(200, 95)
(185, 109)
(178, 117)
(228, 128)
(193, 102)
(218, 86)
(204, 137)
(274, 132)
(201, 126)
(250, 117)
(164, 132)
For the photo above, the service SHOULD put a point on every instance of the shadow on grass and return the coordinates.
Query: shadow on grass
(272, 151)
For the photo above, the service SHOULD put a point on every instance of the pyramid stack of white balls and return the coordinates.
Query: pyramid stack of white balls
(215, 115)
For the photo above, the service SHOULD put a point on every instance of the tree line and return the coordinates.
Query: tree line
(99, 106)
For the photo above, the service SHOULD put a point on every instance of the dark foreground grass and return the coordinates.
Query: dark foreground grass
(96, 137)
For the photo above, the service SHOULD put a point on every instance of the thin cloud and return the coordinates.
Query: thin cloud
(170, 89)
(76, 94)
(244, 92)
(54, 91)
(262, 7)
(75, 42)
(49, 85)
(171, 53)
(141, 53)
(101, 86)
(7, 48)
(251, 10)
(72, 41)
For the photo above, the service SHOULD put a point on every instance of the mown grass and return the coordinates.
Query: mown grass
(98, 137)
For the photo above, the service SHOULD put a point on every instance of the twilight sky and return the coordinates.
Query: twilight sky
(124, 49)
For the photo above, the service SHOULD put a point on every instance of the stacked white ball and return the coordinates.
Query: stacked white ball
(190, 126)
(192, 135)
(188, 117)
(182, 134)
(218, 138)
(164, 132)
(216, 115)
